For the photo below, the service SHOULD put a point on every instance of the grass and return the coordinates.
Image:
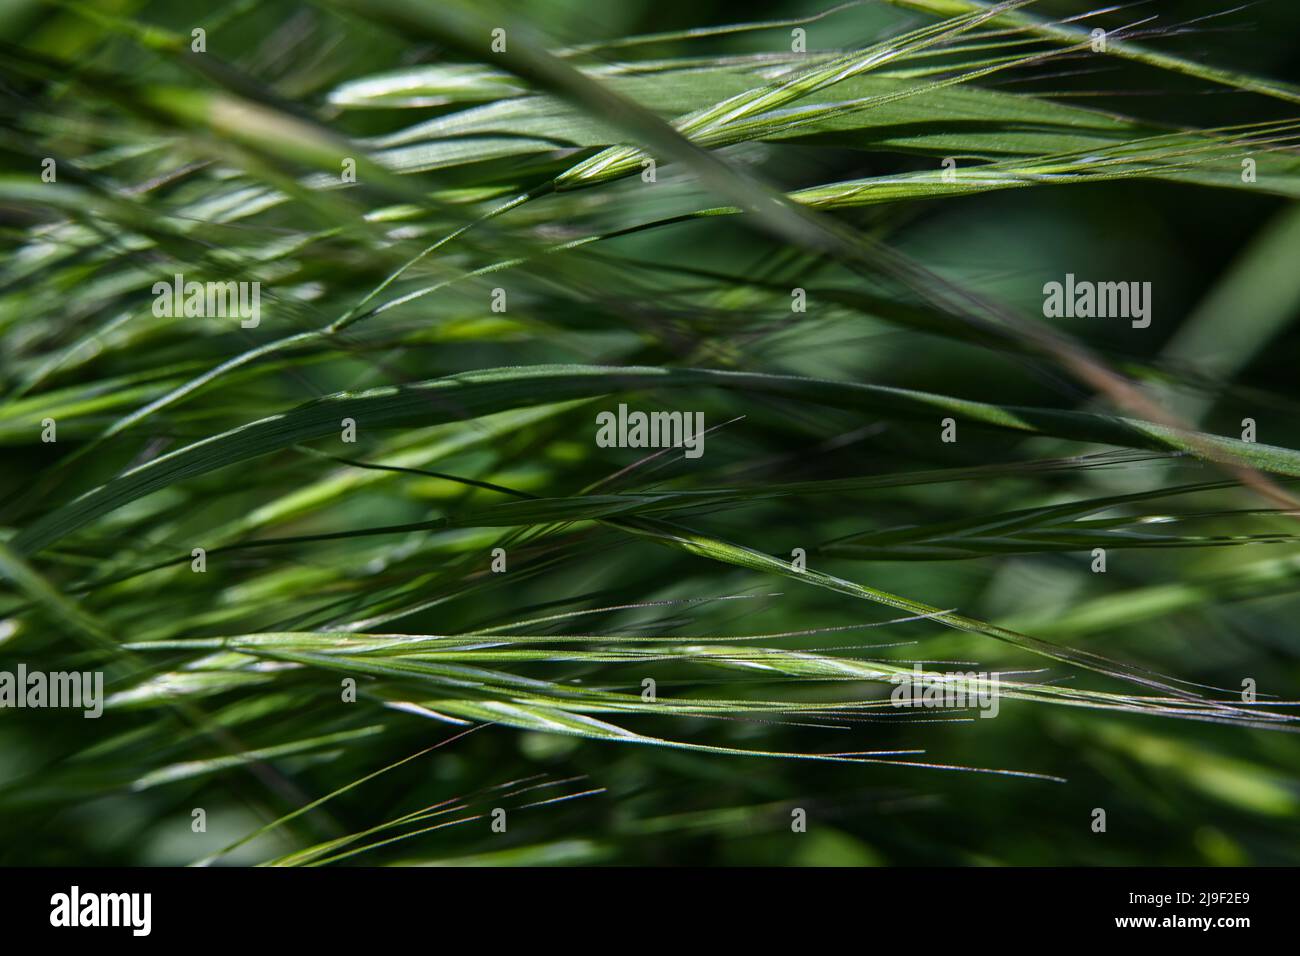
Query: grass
(836, 254)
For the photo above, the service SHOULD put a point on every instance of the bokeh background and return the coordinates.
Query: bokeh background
(1222, 263)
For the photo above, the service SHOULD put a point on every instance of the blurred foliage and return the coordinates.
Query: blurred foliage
(521, 171)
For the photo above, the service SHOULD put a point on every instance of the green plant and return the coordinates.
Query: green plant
(538, 233)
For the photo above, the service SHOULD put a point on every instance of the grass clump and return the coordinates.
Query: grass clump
(359, 575)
